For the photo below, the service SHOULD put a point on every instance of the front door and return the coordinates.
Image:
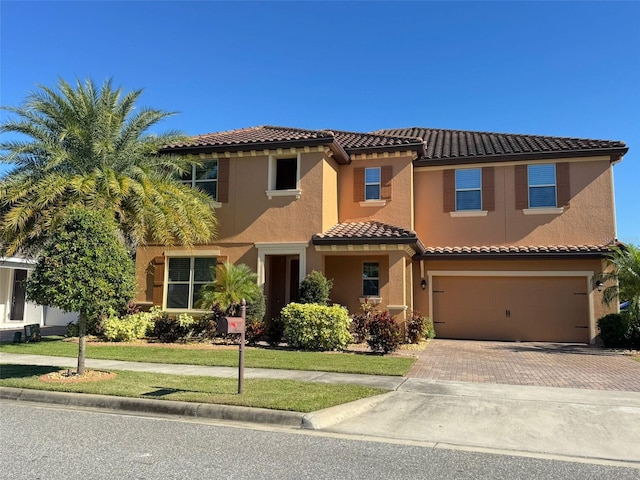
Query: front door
(282, 282)
(18, 295)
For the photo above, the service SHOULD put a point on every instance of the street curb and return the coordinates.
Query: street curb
(163, 407)
(330, 416)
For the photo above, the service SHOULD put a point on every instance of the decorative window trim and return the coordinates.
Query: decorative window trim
(272, 177)
(373, 203)
(543, 211)
(469, 213)
(373, 300)
(284, 193)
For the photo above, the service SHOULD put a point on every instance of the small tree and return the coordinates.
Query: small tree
(232, 283)
(83, 267)
(625, 263)
(315, 288)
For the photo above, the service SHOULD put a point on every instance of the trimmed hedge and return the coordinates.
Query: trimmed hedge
(316, 327)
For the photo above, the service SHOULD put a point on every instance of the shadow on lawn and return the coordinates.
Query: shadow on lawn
(22, 371)
(163, 391)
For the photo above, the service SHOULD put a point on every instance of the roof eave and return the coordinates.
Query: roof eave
(418, 147)
(510, 255)
(615, 155)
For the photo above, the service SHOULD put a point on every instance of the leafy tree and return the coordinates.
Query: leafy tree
(625, 276)
(315, 288)
(83, 267)
(87, 146)
(232, 283)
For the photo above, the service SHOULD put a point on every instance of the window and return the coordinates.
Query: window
(187, 275)
(542, 185)
(469, 189)
(286, 173)
(204, 177)
(284, 177)
(370, 279)
(372, 183)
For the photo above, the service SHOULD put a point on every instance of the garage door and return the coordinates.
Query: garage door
(545, 309)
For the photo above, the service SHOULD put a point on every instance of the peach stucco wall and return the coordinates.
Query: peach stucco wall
(589, 218)
(398, 211)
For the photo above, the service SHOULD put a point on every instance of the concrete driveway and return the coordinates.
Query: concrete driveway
(536, 364)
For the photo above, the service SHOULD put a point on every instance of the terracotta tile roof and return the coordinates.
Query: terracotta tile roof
(443, 145)
(517, 250)
(266, 135)
(365, 232)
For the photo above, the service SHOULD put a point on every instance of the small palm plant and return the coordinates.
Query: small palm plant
(232, 283)
(625, 277)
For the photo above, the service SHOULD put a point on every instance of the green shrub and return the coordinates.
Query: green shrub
(384, 333)
(127, 329)
(633, 334)
(614, 328)
(315, 288)
(316, 327)
(419, 328)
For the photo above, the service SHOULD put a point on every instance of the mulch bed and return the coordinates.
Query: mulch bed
(70, 376)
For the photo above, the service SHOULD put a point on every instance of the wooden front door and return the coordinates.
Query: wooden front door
(18, 295)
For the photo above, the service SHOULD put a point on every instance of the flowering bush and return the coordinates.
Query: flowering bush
(419, 328)
(316, 327)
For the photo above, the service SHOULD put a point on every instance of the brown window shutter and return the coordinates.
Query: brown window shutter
(385, 182)
(522, 187)
(563, 184)
(158, 279)
(488, 190)
(449, 190)
(358, 184)
(223, 180)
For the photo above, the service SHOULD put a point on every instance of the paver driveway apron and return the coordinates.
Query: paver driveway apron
(540, 364)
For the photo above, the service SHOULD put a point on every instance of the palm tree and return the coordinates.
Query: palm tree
(625, 263)
(84, 146)
(232, 283)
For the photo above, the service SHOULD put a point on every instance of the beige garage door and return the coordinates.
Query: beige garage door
(545, 309)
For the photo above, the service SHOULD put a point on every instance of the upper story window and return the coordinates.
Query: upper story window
(186, 276)
(469, 189)
(468, 192)
(284, 176)
(542, 185)
(371, 279)
(204, 177)
(372, 183)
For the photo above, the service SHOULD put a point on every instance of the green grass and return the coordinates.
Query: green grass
(254, 357)
(274, 394)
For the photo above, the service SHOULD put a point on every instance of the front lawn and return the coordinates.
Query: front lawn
(227, 357)
(274, 394)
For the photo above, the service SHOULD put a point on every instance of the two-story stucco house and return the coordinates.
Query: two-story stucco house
(494, 236)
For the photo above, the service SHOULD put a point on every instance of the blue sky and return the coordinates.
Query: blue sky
(550, 68)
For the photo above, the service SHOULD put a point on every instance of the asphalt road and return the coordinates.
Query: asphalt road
(47, 442)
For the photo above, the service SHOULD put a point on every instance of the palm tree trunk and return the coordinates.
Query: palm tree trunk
(82, 337)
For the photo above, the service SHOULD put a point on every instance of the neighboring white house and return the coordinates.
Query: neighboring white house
(15, 311)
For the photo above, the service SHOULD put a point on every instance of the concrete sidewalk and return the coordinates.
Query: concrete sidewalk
(563, 422)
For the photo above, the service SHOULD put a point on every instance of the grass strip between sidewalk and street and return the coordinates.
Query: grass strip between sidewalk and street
(224, 357)
(261, 393)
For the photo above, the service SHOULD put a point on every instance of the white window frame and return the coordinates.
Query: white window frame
(194, 182)
(479, 189)
(378, 183)
(554, 185)
(377, 295)
(272, 177)
(191, 282)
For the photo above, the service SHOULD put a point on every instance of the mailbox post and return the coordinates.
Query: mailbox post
(236, 325)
